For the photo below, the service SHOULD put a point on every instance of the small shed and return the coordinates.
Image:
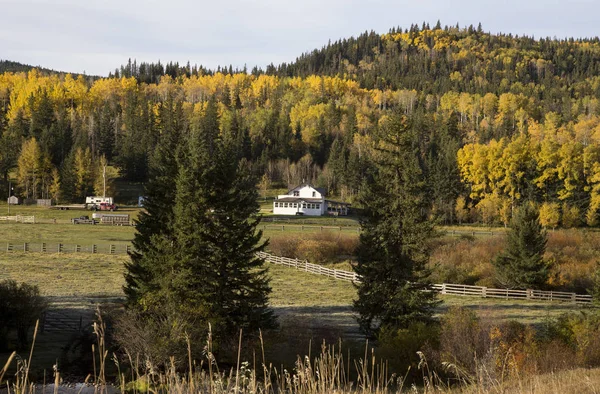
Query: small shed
(13, 200)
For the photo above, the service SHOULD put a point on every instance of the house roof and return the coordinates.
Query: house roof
(298, 199)
(319, 189)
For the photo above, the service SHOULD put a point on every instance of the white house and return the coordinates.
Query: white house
(307, 200)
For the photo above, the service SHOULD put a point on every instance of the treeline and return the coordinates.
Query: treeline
(499, 119)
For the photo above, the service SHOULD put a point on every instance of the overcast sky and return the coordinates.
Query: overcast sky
(98, 36)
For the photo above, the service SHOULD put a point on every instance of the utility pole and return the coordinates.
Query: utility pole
(8, 200)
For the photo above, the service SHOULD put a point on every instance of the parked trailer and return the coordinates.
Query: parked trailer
(112, 219)
(98, 200)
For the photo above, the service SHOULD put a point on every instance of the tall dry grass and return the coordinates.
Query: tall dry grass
(321, 248)
(330, 371)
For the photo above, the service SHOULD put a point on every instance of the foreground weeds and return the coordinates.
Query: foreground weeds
(331, 371)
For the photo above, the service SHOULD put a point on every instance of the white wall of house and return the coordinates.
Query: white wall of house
(291, 208)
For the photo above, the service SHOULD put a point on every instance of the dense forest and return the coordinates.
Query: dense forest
(498, 119)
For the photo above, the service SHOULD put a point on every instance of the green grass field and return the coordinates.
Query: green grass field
(310, 307)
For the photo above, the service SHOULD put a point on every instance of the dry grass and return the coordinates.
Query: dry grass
(467, 260)
(320, 248)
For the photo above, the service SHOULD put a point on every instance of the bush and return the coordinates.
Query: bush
(20, 306)
(400, 347)
(464, 339)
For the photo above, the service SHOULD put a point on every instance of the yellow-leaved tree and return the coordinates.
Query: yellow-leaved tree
(29, 168)
(104, 178)
(550, 215)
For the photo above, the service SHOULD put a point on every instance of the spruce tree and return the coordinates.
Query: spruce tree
(392, 254)
(154, 226)
(195, 247)
(521, 265)
(216, 219)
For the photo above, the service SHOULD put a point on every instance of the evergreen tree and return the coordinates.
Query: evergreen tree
(392, 251)
(522, 265)
(195, 248)
(154, 225)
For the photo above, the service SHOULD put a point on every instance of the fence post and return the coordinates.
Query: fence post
(484, 292)
(112, 249)
(60, 248)
(529, 294)
(43, 247)
(80, 323)
(9, 247)
(443, 288)
(282, 228)
(25, 247)
(94, 249)
(573, 297)
(127, 249)
(78, 248)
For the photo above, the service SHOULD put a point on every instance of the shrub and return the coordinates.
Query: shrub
(400, 346)
(464, 339)
(20, 306)
(581, 332)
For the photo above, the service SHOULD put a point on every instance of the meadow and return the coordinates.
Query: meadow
(310, 308)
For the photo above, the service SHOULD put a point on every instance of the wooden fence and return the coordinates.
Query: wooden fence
(68, 248)
(18, 219)
(444, 288)
(309, 267)
(508, 294)
(54, 321)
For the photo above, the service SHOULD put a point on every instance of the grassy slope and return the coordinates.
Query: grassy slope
(309, 306)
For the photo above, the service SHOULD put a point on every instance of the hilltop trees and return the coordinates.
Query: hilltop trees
(392, 251)
(496, 125)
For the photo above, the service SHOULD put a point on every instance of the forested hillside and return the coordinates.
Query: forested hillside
(498, 120)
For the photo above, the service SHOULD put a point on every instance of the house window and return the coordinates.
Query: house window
(296, 193)
(294, 205)
(285, 204)
(276, 205)
(314, 194)
(303, 205)
(318, 206)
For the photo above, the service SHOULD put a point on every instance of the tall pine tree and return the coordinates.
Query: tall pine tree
(392, 253)
(195, 248)
(521, 265)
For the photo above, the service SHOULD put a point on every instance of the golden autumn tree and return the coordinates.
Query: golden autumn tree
(550, 214)
(29, 171)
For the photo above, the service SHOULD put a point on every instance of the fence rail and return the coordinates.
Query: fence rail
(18, 219)
(444, 288)
(309, 267)
(68, 248)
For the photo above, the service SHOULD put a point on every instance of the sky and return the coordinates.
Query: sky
(96, 37)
